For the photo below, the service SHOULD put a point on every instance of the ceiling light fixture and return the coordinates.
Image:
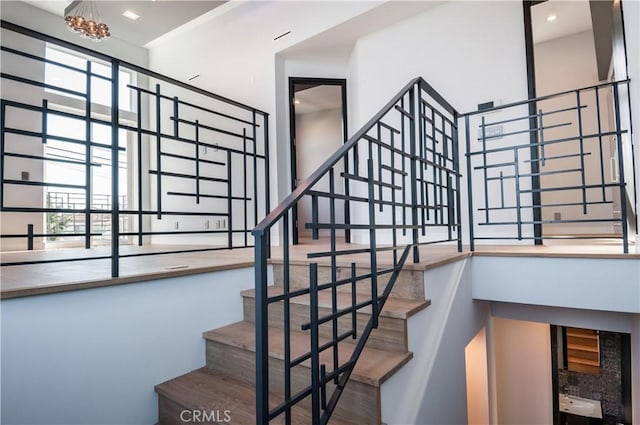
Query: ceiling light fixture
(552, 17)
(131, 15)
(82, 18)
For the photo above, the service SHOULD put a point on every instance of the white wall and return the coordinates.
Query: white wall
(635, 366)
(476, 364)
(470, 52)
(431, 388)
(585, 283)
(454, 61)
(93, 356)
(252, 77)
(318, 135)
(522, 353)
(564, 64)
(429, 44)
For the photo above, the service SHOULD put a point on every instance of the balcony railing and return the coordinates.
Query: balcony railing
(196, 164)
(552, 167)
(62, 224)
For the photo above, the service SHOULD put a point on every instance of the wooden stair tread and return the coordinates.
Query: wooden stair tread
(373, 367)
(584, 361)
(582, 333)
(208, 391)
(399, 308)
(580, 347)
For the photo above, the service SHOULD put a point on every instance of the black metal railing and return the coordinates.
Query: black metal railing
(192, 164)
(63, 223)
(398, 180)
(557, 173)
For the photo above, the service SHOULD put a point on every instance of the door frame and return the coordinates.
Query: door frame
(312, 81)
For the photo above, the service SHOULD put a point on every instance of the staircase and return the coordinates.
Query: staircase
(224, 390)
(317, 345)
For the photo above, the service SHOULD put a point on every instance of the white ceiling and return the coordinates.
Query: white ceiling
(572, 17)
(338, 41)
(156, 17)
(318, 98)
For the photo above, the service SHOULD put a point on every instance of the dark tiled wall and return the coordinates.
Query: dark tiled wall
(605, 387)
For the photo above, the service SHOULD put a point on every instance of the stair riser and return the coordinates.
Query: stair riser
(169, 412)
(410, 283)
(359, 403)
(391, 334)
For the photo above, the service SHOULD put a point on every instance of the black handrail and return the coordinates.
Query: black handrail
(541, 98)
(404, 160)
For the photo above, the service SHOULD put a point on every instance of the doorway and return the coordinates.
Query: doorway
(570, 46)
(318, 127)
(593, 367)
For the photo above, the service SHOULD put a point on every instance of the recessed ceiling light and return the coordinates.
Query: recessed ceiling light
(131, 15)
(297, 102)
(552, 17)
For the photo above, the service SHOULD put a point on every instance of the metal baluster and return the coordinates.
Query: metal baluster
(262, 332)
(115, 175)
(581, 141)
(372, 247)
(467, 130)
(315, 354)
(87, 158)
(334, 274)
(287, 316)
(621, 176)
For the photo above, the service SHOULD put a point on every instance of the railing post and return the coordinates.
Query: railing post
(456, 167)
(372, 245)
(30, 237)
(621, 182)
(267, 195)
(467, 130)
(315, 350)
(115, 176)
(262, 331)
(88, 183)
(413, 171)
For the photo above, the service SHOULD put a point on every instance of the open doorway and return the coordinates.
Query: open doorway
(318, 127)
(571, 46)
(592, 367)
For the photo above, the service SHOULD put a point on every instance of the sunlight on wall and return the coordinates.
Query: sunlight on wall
(475, 354)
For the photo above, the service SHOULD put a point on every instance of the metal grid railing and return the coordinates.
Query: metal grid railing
(391, 187)
(557, 173)
(192, 165)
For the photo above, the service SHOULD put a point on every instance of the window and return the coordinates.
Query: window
(66, 142)
(68, 75)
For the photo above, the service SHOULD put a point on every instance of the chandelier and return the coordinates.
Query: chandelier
(82, 18)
